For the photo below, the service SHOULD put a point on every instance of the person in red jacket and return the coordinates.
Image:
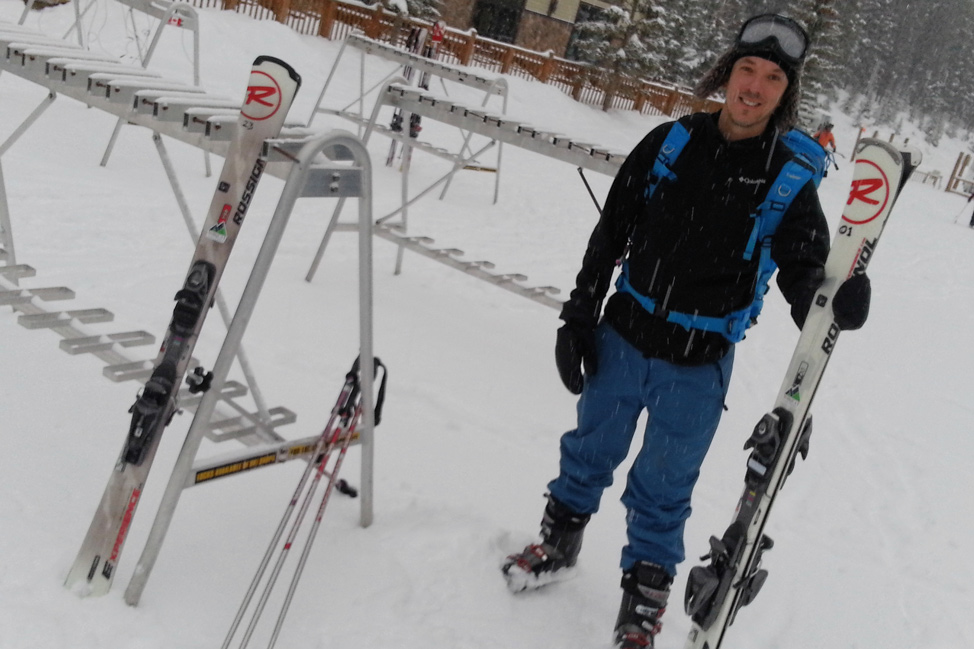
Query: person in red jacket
(824, 137)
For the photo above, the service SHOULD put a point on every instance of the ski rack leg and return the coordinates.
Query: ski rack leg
(341, 202)
(500, 145)
(188, 19)
(420, 195)
(404, 194)
(324, 89)
(291, 192)
(7, 255)
(6, 231)
(78, 15)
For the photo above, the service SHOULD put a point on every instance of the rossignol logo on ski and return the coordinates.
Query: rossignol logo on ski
(109, 566)
(218, 232)
(263, 98)
(830, 337)
(869, 195)
(865, 254)
(248, 193)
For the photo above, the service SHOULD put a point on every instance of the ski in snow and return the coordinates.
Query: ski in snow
(270, 91)
(716, 592)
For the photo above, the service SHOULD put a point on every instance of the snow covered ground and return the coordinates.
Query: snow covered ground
(872, 532)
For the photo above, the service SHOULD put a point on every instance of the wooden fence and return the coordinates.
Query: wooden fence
(585, 83)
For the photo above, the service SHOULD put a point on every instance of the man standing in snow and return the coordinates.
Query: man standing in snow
(665, 343)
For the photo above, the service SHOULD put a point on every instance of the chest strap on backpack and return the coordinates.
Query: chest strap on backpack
(731, 326)
(792, 177)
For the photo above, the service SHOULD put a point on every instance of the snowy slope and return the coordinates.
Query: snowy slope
(871, 535)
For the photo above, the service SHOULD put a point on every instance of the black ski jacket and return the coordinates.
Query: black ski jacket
(686, 244)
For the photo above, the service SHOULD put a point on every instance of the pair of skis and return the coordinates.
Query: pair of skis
(271, 88)
(733, 577)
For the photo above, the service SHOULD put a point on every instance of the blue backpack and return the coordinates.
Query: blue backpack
(809, 163)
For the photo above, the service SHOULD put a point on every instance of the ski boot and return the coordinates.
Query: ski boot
(550, 560)
(645, 589)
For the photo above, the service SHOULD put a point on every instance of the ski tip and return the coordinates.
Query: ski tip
(890, 150)
(266, 58)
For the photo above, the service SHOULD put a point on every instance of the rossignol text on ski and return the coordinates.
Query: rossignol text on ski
(270, 92)
(716, 592)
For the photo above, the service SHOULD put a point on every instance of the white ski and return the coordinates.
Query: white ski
(270, 90)
(734, 576)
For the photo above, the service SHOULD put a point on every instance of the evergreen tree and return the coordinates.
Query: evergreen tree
(425, 9)
(622, 44)
(820, 19)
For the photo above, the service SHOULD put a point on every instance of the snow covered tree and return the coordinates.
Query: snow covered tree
(425, 9)
(621, 43)
(820, 18)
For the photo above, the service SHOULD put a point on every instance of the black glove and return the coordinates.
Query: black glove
(850, 306)
(574, 346)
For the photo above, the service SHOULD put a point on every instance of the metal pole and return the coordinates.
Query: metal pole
(341, 202)
(367, 352)
(6, 231)
(407, 156)
(27, 123)
(331, 74)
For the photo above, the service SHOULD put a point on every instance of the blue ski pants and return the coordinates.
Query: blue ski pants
(684, 405)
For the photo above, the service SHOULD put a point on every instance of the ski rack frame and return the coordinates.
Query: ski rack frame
(461, 159)
(445, 72)
(177, 14)
(144, 98)
(398, 93)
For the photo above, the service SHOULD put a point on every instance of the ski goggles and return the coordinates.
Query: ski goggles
(782, 36)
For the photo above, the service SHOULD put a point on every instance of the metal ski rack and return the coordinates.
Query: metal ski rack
(397, 93)
(176, 14)
(490, 86)
(314, 165)
(320, 170)
(464, 158)
(142, 97)
(233, 421)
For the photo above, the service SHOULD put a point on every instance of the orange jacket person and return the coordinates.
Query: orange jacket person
(825, 137)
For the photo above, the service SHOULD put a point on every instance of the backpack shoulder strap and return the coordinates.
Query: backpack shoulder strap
(669, 151)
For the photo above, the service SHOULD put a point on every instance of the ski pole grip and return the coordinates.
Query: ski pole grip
(381, 396)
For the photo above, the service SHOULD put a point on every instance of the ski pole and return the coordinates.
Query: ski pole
(964, 208)
(319, 449)
(302, 560)
(341, 426)
(590, 192)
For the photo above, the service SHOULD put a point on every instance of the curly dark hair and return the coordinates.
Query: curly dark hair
(785, 116)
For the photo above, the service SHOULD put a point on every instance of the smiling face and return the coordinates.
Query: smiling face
(754, 90)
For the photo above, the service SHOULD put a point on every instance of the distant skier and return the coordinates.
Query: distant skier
(969, 199)
(665, 343)
(825, 137)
